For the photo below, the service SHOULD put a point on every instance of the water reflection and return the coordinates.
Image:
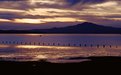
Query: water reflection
(53, 53)
(55, 48)
(47, 47)
(41, 57)
(4, 46)
(32, 34)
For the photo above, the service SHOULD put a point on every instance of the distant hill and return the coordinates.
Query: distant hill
(84, 28)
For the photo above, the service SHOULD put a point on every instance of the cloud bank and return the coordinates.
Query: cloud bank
(29, 14)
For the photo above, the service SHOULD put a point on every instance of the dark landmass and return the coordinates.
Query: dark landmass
(84, 28)
(97, 65)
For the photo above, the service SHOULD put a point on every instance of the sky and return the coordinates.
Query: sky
(39, 14)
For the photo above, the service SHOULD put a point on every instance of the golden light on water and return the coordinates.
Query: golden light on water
(27, 46)
(47, 47)
(4, 46)
(41, 57)
(32, 34)
(50, 53)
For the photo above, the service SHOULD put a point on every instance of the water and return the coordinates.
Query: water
(58, 48)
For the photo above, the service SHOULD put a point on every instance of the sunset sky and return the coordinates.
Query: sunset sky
(38, 14)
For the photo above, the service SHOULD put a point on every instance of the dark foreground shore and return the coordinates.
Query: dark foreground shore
(96, 65)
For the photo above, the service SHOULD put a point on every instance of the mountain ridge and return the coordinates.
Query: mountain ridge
(83, 28)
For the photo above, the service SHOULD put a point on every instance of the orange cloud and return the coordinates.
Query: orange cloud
(5, 20)
(63, 19)
(31, 21)
(39, 21)
(46, 11)
(11, 10)
(33, 2)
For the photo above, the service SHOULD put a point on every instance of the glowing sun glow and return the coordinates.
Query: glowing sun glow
(32, 21)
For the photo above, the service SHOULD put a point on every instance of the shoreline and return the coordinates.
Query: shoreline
(59, 33)
(96, 63)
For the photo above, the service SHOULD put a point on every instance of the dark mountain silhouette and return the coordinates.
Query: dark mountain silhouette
(84, 28)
